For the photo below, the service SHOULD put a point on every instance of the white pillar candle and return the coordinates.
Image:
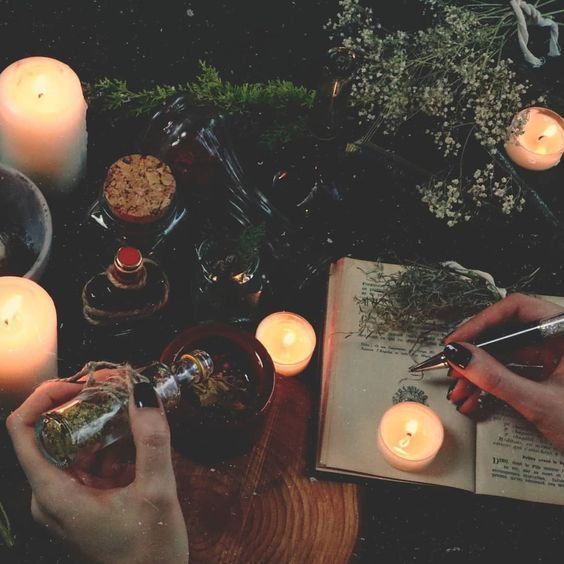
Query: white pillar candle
(410, 436)
(43, 123)
(289, 339)
(28, 339)
(536, 139)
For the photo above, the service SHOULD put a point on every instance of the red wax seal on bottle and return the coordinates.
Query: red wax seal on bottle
(128, 267)
(128, 259)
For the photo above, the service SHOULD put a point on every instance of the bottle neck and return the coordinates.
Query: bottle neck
(190, 369)
(128, 280)
(193, 367)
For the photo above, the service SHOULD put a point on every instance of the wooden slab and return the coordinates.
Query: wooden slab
(263, 507)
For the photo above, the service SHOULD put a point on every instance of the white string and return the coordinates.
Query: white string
(523, 10)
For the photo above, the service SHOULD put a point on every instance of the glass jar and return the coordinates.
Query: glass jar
(145, 237)
(228, 288)
(138, 203)
(98, 416)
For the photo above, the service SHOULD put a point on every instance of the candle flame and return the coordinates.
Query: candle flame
(410, 430)
(10, 309)
(289, 339)
(336, 88)
(550, 131)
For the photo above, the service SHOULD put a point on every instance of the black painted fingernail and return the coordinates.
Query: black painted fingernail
(144, 395)
(457, 354)
(450, 388)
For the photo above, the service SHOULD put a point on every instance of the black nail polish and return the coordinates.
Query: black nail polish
(458, 355)
(144, 395)
(450, 389)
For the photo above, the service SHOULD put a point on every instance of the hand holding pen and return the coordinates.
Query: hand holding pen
(541, 402)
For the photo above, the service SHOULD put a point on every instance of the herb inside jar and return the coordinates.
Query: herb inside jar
(230, 392)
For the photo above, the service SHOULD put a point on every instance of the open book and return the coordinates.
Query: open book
(362, 377)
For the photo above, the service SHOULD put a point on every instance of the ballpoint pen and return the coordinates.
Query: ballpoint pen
(529, 334)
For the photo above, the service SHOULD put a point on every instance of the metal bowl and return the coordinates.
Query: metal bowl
(26, 228)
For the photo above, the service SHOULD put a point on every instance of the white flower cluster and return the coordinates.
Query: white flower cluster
(452, 73)
(454, 199)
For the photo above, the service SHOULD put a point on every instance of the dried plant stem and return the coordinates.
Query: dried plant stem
(5, 529)
(424, 297)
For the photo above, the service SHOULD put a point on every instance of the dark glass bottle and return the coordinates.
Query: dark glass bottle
(329, 111)
(131, 289)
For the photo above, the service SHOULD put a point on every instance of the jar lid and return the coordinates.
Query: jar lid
(139, 189)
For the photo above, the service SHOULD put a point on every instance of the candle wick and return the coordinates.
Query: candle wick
(409, 434)
(6, 322)
(40, 95)
(542, 137)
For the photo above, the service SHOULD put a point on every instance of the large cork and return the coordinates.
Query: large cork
(139, 188)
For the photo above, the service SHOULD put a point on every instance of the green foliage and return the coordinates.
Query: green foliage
(6, 535)
(250, 242)
(277, 107)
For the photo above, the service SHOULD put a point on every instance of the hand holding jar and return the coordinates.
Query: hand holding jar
(113, 515)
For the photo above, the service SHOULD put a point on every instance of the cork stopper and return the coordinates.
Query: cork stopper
(139, 189)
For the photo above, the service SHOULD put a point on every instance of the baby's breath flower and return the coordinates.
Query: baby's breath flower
(451, 72)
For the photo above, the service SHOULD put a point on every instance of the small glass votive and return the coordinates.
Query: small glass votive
(410, 435)
(289, 339)
(535, 139)
(227, 288)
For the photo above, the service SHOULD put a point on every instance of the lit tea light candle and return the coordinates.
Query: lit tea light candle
(289, 339)
(410, 436)
(43, 123)
(536, 139)
(28, 339)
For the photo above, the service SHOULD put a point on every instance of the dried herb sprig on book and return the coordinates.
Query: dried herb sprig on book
(427, 295)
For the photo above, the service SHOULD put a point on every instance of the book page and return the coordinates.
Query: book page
(362, 377)
(514, 460)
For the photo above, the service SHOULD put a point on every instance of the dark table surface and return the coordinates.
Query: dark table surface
(381, 216)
